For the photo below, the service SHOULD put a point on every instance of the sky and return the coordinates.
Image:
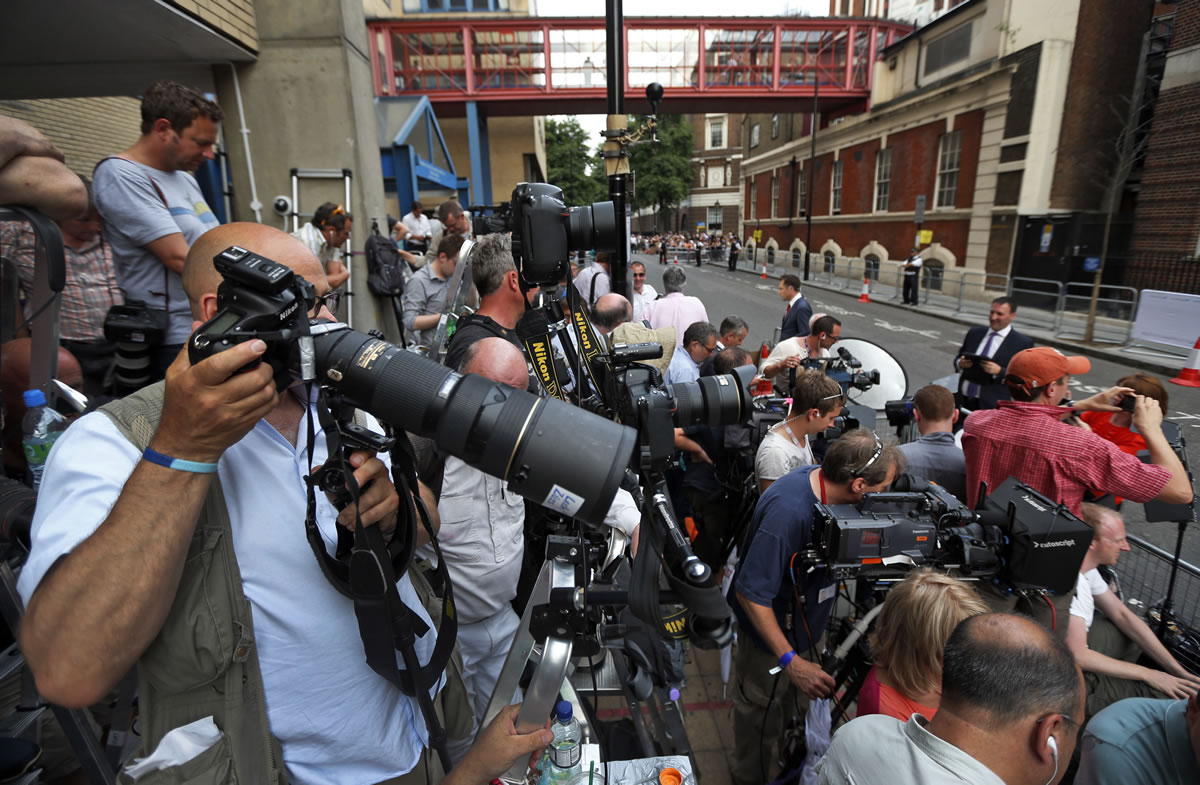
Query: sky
(594, 124)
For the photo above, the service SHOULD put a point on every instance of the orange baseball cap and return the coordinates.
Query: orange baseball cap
(1034, 368)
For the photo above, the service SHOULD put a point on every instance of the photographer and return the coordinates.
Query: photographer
(782, 615)
(501, 302)
(188, 560)
(792, 352)
(1026, 438)
(935, 456)
(817, 401)
(425, 294)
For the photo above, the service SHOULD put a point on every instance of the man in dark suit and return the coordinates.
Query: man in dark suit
(798, 313)
(982, 383)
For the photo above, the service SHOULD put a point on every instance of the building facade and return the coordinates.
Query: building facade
(714, 198)
(972, 132)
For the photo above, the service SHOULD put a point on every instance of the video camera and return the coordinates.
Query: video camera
(1017, 535)
(545, 230)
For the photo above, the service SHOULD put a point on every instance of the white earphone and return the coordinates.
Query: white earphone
(1052, 744)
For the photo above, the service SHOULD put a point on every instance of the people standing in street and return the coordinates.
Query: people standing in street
(798, 312)
(912, 278)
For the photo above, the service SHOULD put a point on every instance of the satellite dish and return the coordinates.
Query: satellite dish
(893, 381)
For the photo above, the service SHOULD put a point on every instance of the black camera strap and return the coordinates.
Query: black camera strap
(534, 331)
(366, 568)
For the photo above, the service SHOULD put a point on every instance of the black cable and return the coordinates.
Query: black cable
(49, 301)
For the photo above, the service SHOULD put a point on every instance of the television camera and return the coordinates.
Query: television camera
(1017, 536)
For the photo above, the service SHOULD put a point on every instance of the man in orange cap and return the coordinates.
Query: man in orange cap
(1026, 438)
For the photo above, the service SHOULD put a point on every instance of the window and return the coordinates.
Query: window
(830, 261)
(949, 151)
(871, 266)
(835, 191)
(754, 135)
(948, 49)
(753, 198)
(442, 6)
(714, 220)
(774, 195)
(716, 134)
(934, 274)
(883, 179)
(801, 193)
(774, 126)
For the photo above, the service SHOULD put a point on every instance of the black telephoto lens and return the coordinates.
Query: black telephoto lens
(714, 400)
(554, 454)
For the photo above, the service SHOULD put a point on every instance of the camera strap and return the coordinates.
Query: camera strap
(534, 331)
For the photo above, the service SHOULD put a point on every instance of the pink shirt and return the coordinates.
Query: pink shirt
(678, 310)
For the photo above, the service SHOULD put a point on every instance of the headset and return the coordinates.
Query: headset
(1052, 743)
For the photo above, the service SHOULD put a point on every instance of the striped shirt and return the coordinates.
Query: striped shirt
(91, 285)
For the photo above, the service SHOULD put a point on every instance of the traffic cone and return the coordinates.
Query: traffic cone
(1190, 375)
(763, 386)
(764, 275)
(675, 256)
(865, 296)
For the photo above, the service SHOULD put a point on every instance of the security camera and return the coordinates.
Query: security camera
(282, 205)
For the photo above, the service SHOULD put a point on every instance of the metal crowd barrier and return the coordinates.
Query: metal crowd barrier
(1144, 575)
(1039, 300)
(1116, 308)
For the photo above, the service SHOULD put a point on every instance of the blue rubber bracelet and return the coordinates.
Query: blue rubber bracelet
(178, 463)
(786, 658)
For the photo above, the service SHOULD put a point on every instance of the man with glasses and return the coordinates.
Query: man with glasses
(792, 352)
(643, 293)
(1108, 647)
(783, 606)
(1012, 703)
(699, 342)
(424, 298)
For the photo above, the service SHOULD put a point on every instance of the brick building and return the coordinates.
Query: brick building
(1166, 237)
(714, 200)
(972, 112)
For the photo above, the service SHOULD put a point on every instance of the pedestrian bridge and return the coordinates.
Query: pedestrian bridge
(542, 66)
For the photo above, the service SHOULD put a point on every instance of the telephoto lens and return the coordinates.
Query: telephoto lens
(564, 458)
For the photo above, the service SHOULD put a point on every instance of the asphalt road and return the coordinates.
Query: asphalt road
(925, 345)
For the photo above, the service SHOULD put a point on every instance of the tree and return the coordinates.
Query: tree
(663, 170)
(568, 161)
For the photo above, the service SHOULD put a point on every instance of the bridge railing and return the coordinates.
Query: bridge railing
(492, 58)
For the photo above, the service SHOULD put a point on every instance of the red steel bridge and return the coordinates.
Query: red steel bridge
(541, 66)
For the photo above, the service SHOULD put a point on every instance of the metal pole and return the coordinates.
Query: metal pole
(810, 186)
(617, 168)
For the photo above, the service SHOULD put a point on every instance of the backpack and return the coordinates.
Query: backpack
(385, 268)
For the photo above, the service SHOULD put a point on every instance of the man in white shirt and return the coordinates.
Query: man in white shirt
(1108, 653)
(593, 282)
(418, 228)
(699, 341)
(816, 402)
(643, 293)
(984, 355)
(791, 353)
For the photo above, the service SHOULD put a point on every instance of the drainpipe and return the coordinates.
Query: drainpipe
(255, 205)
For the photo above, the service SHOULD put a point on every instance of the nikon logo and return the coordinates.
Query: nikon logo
(289, 310)
(1056, 544)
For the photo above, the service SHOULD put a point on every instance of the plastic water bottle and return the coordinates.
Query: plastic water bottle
(41, 428)
(566, 751)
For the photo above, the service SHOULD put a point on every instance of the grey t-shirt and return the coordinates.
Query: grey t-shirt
(134, 215)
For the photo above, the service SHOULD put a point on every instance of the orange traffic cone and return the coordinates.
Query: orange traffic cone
(675, 256)
(865, 296)
(764, 275)
(763, 386)
(1190, 375)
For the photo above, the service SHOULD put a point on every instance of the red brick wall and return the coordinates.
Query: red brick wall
(895, 235)
(858, 177)
(971, 124)
(1168, 211)
(1187, 26)
(914, 164)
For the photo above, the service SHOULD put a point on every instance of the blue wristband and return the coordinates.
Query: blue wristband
(786, 658)
(178, 463)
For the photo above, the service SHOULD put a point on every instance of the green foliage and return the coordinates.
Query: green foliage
(663, 170)
(569, 162)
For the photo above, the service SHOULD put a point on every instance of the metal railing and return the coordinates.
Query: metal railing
(1145, 575)
(1116, 308)
(1040, 301)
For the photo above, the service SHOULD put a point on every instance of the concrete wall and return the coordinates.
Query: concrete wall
(85, 129)
(234, 18)
(309, 103)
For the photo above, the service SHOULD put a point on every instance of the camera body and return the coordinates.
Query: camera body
(258, 298)
(545, 230)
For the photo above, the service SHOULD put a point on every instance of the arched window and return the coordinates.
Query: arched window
(771, 256)
(795, 257)
(935, 273)
(830, 261)
(872, 266)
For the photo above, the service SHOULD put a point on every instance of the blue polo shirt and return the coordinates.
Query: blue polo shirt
(781, 527)
(1136, 741)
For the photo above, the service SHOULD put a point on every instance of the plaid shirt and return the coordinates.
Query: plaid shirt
(1029, 441)
(91, 286)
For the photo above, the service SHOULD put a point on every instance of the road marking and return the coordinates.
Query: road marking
(884, 324)
(837, 309)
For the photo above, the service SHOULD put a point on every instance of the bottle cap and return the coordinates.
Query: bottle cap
(34, 398)
(670, 777)
(562, 711)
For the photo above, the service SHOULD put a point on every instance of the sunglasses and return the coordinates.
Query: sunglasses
(874, 457)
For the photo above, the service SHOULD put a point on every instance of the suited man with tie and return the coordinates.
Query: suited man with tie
(798, 313)
(982, 385)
